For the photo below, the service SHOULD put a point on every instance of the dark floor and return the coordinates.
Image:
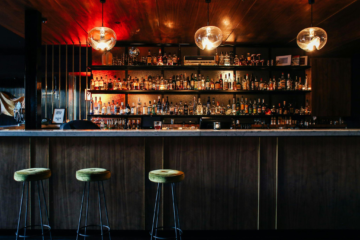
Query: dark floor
(212, 235)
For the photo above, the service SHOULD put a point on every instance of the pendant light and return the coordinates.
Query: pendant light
(209, 37)
(102, 38)
(311, 38)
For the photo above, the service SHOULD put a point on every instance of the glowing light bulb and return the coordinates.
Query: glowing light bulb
(209, 37)
(102, 38)
(312, 38)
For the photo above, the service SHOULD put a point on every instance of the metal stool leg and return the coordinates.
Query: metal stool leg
(158, 211)
(41, 221)
(177, 212)
(101, 225)
(87, 208)
(106, 212)
(26, 207)
(82, 201)
(154, 216)
(46, 210)
(175, 218)
(19, 219)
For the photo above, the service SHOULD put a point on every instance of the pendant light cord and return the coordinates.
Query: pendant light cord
(208, 14)
(102, 14)
(311, 15)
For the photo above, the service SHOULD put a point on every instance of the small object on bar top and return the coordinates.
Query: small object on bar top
(217, 125)
(157, 125)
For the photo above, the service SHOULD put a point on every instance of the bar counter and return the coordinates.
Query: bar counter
(234, 179)
(181, 133)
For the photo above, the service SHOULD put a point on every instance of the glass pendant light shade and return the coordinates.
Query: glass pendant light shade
(311, 38)
(102, 38)
(209, 37)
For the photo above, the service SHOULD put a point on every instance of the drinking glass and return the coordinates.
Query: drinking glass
(157, 125)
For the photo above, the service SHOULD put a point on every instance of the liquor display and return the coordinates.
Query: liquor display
(248, 82)
(237, 107)
(117, 123)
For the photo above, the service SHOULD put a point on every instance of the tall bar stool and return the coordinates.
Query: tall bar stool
(162, 176)
(89, 175)
(26, 176)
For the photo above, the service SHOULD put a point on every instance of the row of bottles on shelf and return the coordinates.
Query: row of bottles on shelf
(199, 82)
(162, 107)
(170, 59)
(118, 123)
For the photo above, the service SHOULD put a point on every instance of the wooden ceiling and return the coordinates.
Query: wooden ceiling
(176, 21)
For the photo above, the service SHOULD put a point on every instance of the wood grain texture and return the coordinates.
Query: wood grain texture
(221, 182)
(268, 147)
(14, 155)
(319, 185)
(125, 158)
(168, 21)
(331, 87)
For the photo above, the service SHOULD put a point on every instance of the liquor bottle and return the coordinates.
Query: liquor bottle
(170, 60)
(176, 109)
(171, 108)
(222, 109)
(149, 59)
(101, 84)
(217, 84)
(103, 109)
(252, 83)
(194, 107)
(203, 81)
(221, 82)
(274, 84)
(159, 106)
(254, 107)
(105, 87)
(149, 108)
(154, 108)
(236, 61)
(92, 84)
(207, 83)
(110, 85)
(295, 85)
(288, 82)
(256, 84)
(221, 59)
(227, 59)
(186, 109)
(270, 85)
(192, 82)
(259, 107)
(92, 106)
(163, 107)
(108, 109)
(244, 83)
(261, 85)
(232, 85)
(246, 107)
(217, 58)
(212, 84)
(213, 107)
(282, 82)
(306, 83)
(144, 110)
(117, 108)
(112, 107)
(250, 108)
(164, 59)
(285, 110)
(291, 109)
(300, 85)
(238, 107)
(233, 107)
(199, 108)
(238, 84)
(167, 105)
(181, 109)
(159, 59)
(99, 105)
(228, 110)
(226, 83)
(263, 107)
(96, 84)
(217, 109)
(248, 59)
(122, 109)
(242, 106)
(133, 109)
(175, 60)
(138, 110)
(208, 107)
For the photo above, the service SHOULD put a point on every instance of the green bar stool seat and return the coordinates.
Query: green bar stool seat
(166, 176)
(96, 175)
(26, 176)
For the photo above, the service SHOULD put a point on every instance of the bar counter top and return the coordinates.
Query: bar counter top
(181, 133)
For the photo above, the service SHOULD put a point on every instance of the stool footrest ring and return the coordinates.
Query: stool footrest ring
(106, 228)
(47, 229)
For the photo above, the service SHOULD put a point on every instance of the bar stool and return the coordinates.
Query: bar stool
(162, 176)
(89, 175)
(26, 176)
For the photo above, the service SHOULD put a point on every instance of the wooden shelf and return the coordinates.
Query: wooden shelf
(194, 92)
(201, 67)
(196, 116)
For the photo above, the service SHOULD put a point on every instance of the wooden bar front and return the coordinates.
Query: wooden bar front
(231, 183)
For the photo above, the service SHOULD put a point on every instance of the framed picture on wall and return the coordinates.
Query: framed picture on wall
(59, 115)
(303, 60)
(283, 60)
(295, 60)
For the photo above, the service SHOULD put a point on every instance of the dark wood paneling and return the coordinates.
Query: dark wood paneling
(125, 158)
(268, 147)
(154, 150)
(14, 155)
(331, 87)
(221, 182)
(319, 185)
